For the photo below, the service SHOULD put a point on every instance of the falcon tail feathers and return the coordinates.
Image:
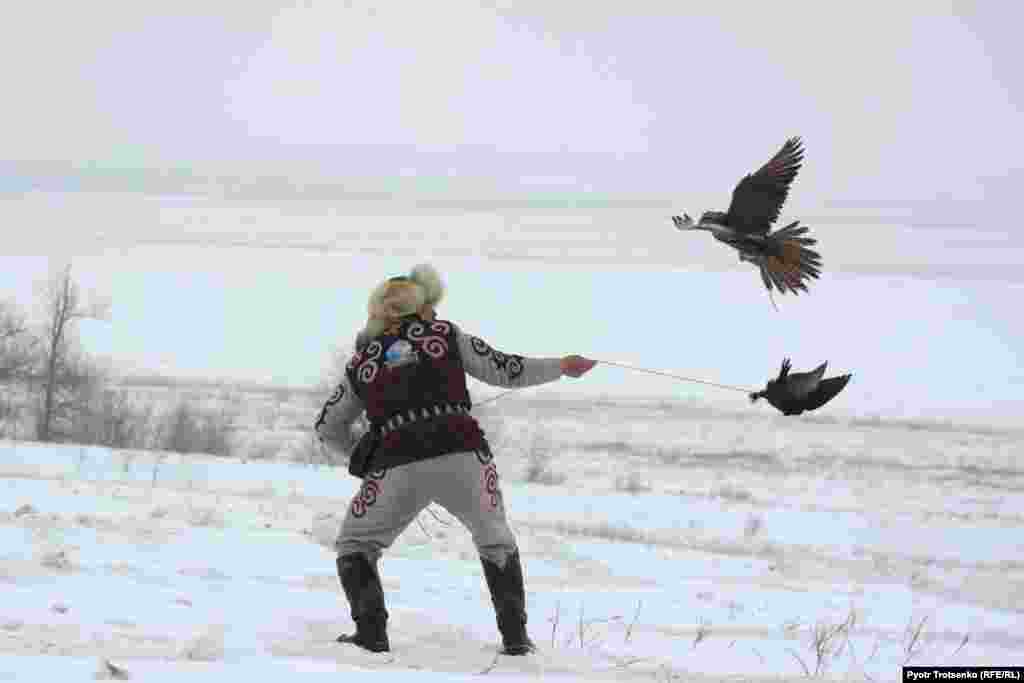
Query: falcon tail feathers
(790, 262)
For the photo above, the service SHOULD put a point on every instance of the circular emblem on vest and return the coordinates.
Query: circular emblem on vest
(400, 353)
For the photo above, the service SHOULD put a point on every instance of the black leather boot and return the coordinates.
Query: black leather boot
(362, 586)
(509, 598)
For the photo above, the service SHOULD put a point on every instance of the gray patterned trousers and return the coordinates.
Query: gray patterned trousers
(465, 484)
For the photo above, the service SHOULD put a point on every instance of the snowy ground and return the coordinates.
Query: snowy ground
(663, 542)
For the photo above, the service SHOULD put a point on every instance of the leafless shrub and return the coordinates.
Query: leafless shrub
(733, 493)
(671, 455)
(25, 509)
(606, 447)
(12, 408)
(267, 448)
(703, 631)
(631, 484)
(205, 517)
(180, 430)
(56, 558)
(538, 472)
(538, 466)
(187, 430)
(110, 419)
(16, 344)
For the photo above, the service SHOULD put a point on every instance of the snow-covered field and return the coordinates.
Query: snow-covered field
(661, 542)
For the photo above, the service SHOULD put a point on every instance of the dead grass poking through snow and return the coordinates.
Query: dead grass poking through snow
(111, 672)
(753, 526)
(205, 646)
(828, 641)
(587, 634)
(703, 631)
(202, 516)
(58, 559)
(912, 642)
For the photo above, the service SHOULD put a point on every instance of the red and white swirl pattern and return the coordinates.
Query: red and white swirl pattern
(433, 345)
(368, 493)
(490, 484)
(369, 367)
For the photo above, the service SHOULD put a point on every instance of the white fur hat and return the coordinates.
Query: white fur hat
(401, 296)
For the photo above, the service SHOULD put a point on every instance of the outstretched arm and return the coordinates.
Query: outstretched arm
(333, 424)
(499, 369)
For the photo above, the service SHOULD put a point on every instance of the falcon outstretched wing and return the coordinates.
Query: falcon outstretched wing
(758, 197)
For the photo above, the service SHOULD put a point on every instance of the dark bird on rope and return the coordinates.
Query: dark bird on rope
(784, 257)
(794, 393)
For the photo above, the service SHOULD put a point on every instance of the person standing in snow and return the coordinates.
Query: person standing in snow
(408, 374)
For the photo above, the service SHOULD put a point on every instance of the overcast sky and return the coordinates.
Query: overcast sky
(896, 102)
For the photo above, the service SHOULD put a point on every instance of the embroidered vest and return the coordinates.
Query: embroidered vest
(413, 383)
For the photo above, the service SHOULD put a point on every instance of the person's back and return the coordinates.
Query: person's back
(409, 375)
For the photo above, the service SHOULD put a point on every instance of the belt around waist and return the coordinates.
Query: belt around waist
(417, 414)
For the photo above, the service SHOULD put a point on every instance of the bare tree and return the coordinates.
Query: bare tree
(17, 347)
(16, 344)
(66, 374)
(111, 419)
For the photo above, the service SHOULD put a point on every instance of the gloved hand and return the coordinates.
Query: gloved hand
(577, 366)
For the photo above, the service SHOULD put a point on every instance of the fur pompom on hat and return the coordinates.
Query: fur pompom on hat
(427, 277)
(400, 296)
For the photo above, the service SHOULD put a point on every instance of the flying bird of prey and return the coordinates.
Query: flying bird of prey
(794, 393)
(784, 257)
